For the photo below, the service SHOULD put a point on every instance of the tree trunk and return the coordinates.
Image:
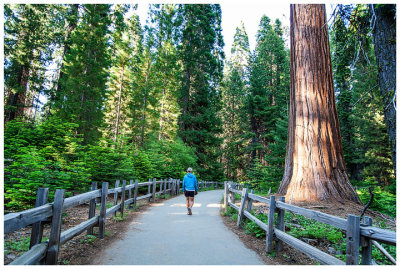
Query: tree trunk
(314, 168)
(119, 105)
(384, 34)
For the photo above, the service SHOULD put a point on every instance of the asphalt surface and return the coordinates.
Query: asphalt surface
(166, 235)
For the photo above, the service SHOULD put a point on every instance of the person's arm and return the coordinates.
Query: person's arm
(183, 185)
(195, 184)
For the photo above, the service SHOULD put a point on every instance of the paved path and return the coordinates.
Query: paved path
(165, 235)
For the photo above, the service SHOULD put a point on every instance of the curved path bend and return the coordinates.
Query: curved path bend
(165, 235)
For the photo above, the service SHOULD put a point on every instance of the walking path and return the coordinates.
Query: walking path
(165, 235)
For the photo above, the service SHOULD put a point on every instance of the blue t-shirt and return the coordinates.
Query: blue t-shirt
(189, 182)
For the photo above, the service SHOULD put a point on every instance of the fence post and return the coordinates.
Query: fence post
(42, 197)
(165, 187)
(169, 186)
(241, 208)
(178, 187)
(103, 208)
(366, 244)
(226, 193)
(149, 189)
(250, 201)
(123, 198)
(130, 193)
(233, 186)
(153, 196)
(280, 224)
(55, 232)
(353, 240)
(135, 191)
(270, 230)
(92, 208)
(116, 195)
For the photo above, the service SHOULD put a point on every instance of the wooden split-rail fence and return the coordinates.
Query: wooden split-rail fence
(358, 234)
(44, 213)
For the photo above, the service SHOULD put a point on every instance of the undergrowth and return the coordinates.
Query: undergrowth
(301, 227)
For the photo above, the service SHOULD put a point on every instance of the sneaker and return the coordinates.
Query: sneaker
(190, 211)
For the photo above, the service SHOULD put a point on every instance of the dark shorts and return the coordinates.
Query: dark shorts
(189, 193)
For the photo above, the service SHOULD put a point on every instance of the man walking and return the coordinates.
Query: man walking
(189, 189)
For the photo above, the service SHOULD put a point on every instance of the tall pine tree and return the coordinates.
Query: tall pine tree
(233, 113)
(202, 56)
(85, 72)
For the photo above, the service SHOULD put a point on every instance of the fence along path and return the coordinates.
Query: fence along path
(44, 212)
(357, 235)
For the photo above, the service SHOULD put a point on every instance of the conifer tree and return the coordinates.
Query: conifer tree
(168, 69)
(233, 113)
(384, 33)
(84, 81)
(202, 55)
(29, 31)
(341, 61)
(127, 46)
(269, 84)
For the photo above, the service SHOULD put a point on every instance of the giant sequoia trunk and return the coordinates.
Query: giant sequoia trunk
(385, 52)
(314, 168)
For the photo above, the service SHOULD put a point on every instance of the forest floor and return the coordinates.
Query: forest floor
(291, 256)
(81, 249)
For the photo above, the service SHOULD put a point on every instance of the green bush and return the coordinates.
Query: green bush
(384, 201)
(46, 154)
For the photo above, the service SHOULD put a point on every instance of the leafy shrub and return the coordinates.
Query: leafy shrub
(384, 201)
(41, 155)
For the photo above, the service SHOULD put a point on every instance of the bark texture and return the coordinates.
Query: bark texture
(314, 168)
(384, 32)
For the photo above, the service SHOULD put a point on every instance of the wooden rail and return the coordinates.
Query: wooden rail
(357, 235)
(47, 252)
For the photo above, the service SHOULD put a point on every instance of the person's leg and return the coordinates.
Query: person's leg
(191, 202)
(187, 202)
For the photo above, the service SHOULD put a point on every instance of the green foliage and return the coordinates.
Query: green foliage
(233, 113)
(384, 201)
(119, 218)
(229, 211)
(234, 216)
(201, 54)
(46, 154)
(88, 239)
(83, 85)
(359, 101)
(172, 157)
(253, 228)
(20, 245)
(257, 175)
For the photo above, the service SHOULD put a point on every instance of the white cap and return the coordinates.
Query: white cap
(190, 169)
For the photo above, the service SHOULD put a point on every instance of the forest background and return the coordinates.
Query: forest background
(92, 94)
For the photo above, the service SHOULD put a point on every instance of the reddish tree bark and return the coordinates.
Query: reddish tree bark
(314, 168)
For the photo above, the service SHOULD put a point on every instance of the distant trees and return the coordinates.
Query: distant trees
(384, 33)
(365, 140)
(202, 59)
(29, 31)
(234, 113)
(314, 168)
(83, 84)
